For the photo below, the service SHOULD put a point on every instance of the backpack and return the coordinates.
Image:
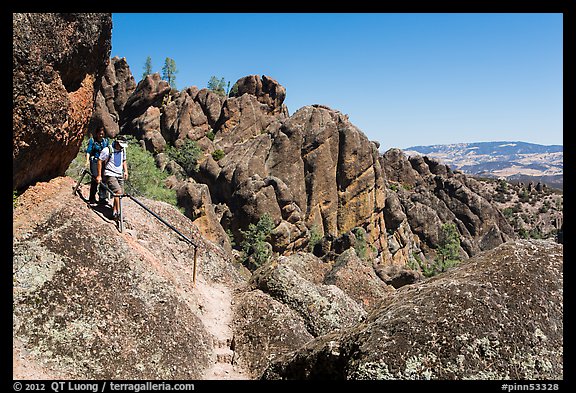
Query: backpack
(96, 153)
(110, 152)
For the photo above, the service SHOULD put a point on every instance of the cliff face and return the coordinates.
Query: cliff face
(313, 171)
(58, 63)
(429, 194)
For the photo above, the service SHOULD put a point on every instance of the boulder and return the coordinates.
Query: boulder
(58, 64)
(358, 280)
(264, 329)
(499, 315)
(267, 91)
(323, 308)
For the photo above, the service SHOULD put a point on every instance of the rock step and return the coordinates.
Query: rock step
(222, 343)
(223, 350)
(225, 357)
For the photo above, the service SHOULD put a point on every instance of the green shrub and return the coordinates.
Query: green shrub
(210, 135)
(524, 196)
(429, 271)
(218, 154)
(508, 212)
(315, 238)
(414, 263)
(535, 233)
(502, 186)
(186, 155)
(231, 237)
(255, 246)
(360, 245)
(448, 251)
(145, 177)
(14, 198)
(449, 247)
(77, 165)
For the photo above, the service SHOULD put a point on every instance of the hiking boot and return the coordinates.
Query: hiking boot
(92, 201)
(103, 202)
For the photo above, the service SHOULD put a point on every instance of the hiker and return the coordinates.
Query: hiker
(96, 144)
(113, 161)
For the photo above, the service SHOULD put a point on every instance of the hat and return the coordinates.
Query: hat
(122, 141)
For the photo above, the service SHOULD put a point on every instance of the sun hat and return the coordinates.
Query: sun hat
(122, 141)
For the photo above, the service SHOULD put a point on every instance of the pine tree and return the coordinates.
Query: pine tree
(147, 67)
(169, 72)
(217, 85)
(448, 251)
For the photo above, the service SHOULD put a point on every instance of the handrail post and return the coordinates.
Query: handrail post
(121, 220)
(194, 269)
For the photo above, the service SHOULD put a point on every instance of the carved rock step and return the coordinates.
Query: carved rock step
(224, 357)
(223, 349)
(222, 343)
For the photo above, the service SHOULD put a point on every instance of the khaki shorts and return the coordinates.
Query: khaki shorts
(115, 184)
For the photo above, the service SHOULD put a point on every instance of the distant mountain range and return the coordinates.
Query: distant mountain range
(515, 161)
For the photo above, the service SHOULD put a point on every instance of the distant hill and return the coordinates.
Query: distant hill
(515, 161)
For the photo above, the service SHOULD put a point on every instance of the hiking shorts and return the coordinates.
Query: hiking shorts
(116, 184)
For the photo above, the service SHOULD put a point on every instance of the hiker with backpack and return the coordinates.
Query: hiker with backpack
(96, 144)
(113, 161)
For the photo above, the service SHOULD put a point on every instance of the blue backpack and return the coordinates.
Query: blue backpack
(97, 147)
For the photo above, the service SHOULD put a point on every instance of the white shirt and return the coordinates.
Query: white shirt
(114, 165)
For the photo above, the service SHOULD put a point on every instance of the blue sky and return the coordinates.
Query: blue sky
(403, 79)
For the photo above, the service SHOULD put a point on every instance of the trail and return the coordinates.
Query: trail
(216, 309)
(214, 306)
(213, 300)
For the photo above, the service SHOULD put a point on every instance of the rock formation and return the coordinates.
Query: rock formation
(58, 64)
(313, 170)
(497, 316)
(114, 306)
(292, 299)
(117, 85)
(431, 194)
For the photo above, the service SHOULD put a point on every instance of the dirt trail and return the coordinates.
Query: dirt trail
(216, 309)
(211, 301)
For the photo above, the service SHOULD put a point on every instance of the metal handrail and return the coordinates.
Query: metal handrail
(86, 171)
